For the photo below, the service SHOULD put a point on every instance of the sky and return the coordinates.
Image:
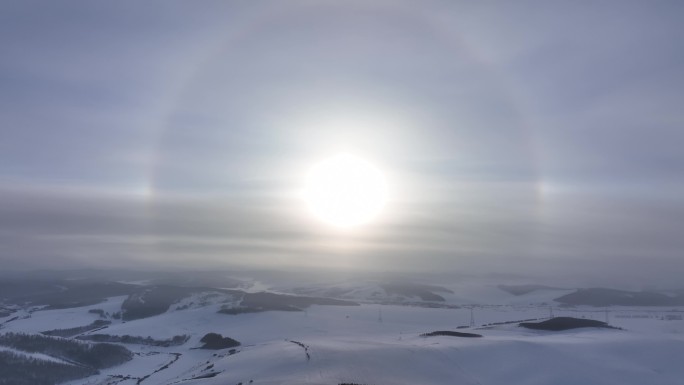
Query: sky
(525, 137)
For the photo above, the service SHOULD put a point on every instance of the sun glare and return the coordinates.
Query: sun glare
(345, 191)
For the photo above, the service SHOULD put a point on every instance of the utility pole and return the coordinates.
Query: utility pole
(472, 317)
(606, 315)
(380, 314)
(550, 311)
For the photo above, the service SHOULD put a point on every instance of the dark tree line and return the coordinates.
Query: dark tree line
(70, 332)
(18, 369)
(95, 356)
(126, 339)
(99, 312)
(217, 341)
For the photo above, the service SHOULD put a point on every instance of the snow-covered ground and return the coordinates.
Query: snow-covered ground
(43, 320)
(372, 344)
(381, 344)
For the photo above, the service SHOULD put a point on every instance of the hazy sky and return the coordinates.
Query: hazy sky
(515, 136)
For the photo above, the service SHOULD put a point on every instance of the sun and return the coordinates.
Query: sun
(345, 191)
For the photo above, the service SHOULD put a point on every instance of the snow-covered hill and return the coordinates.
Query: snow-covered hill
(378, 343)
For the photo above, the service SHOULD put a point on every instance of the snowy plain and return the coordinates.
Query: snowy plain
(378, 344)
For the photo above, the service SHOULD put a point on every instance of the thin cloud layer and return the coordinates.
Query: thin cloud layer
(522, 136)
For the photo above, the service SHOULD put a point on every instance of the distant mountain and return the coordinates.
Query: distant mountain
(62, 293)
(143, 300)
(409, 289)
(525, 289)
(263, 301)
(149, 301)
(396, 291)
(608, 297)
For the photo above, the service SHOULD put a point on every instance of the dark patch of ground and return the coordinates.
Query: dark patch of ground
(450, 334)
(565, 323)
(217, 341)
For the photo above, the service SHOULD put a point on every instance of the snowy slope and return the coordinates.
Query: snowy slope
(586, 358)
(380, 344)
(351, 344)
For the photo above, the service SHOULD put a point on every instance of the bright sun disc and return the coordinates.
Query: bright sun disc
(345, 191)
